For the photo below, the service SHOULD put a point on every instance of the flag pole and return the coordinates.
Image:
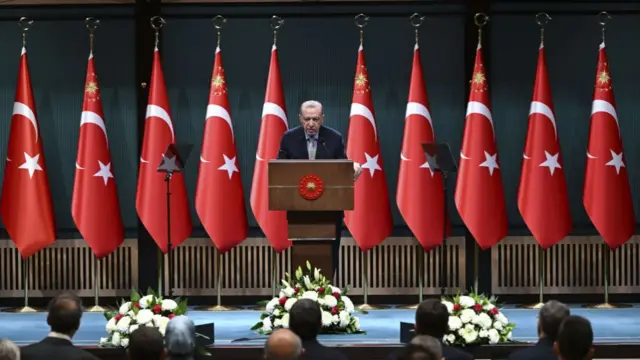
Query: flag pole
(96, 287)
(218, 306)
(540, 302)
(25, 282)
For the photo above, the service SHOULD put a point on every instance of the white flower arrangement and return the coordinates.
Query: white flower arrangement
(149, 310)
(337, 309)
(475, 320)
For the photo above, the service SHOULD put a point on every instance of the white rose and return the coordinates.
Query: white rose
(123, 325)
(335, 319)
(162, 322)
(483, 333)
(348, 305)
(266, 324)
(157, 318)
(330, 301)
(494, 336)
(467, 315)
(467, 301)
(312, 295)
(169, 305)
(483, 320)
(321, 301)
(489, 307)
(145, 301)
(277, 323)
(133, 328)
(503, 319)
(497, 325)
(289, 303)
(131, 314)
(124, 342)
(454, 323)
(356, 322)
(124, 308)
(271, 305)
(307, 282)
(104, 341)
(327, 318)
(336, 290)
(115, 339)
(288, 292)
(285, 321)
(316, 274)
(162, 325)
(276, 312)
(468, 333)
(449, 339)
(144, 316)
(345, 319)
(449, 306)
(111, 325)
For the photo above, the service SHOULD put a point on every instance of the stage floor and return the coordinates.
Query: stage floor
(382, 326)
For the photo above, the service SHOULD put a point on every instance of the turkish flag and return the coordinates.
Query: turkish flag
(542, 195)
(606, 193)
(26, 206)
(219, 193)
(479, 195)
(274, 124)
(94, 205)
(420, 193)
(151, 196)
(370, 221)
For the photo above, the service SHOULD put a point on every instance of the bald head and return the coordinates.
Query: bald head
(283, 344)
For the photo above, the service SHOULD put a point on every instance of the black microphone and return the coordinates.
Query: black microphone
(325, 147)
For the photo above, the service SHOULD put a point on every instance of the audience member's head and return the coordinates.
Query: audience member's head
(417, 352)
(305, 319)
(283, 344)
(180, 338)
(429, 343)
(64, 314)
(575, 339)
(432, 318)
(550, 318)
(9, 350)
(146, 343)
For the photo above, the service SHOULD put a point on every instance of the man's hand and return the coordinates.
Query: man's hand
(357, 169)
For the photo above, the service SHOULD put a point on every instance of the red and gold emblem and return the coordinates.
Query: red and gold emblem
(311, 187)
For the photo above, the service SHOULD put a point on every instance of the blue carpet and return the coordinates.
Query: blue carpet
(382, 326)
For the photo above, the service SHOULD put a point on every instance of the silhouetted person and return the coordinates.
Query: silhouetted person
(432, 318)
(283, 344)
(146, 343)
(64, 314)
(9, 350)
(575, 339)
(305, 320)
(551, 316)
(180, 339)
(417, 352)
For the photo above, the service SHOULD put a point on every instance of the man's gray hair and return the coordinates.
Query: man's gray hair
(9, 350)
(283, 344)
(311, 104)
(428, 343)
(180, 337)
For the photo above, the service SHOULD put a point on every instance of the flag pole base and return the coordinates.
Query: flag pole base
(607, 306)
(23, 310)
(369, 307)
(408, 307)
(531, 306)
(217, 308)
(96, 309)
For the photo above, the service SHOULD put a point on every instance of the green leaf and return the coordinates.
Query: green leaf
(263, 316)
(263, 302)
(135, 296)
(257, 326)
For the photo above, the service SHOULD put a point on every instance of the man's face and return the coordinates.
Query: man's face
(311, 119)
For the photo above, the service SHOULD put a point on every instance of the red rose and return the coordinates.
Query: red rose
(335, 310)
(336, 295)
(283, 300)
(135, 305)
(477, 307)
(495, 311)
(320, 290)
(118, 317)
(157, 309)
(171, 316)
(456, 307)
(297, 289)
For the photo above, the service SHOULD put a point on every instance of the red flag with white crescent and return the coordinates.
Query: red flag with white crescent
(370, 221)
(94, 206)
(151, 193)
(219, 193)
(420, 194)
(26, 207)
(607, 193)
(543, 200)
(479, 194)
(274, 224)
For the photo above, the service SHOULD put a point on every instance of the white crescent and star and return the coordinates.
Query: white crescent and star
(551, 160)
(598, 106)
(359, 109)
(218, 111)
(30, 162)
(274, 109)
(415, 108)
(156, 112)
(90, 117)
(491, 160)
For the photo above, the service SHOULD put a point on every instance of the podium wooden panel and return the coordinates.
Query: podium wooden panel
(312, 224)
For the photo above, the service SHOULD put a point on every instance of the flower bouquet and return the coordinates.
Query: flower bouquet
(149, 310)
(337, 308)
(475, 320)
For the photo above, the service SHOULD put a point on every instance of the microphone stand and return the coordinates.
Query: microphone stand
(443, 250)
(167, 179)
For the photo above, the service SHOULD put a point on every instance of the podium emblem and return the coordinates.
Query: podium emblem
(311, 187)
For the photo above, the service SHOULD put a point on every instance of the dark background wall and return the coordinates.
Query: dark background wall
(317, 56)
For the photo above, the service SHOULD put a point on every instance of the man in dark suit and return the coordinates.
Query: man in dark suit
(64, 314)
(432, 318)
(146, 343)
(551, 316)
(283, 344)
(313, 141)
(305, 320)
(575, 339)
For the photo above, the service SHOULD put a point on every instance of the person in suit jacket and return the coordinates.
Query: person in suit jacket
(432, 318)
(575, 339)
(549, 319)
(305, 320)
(64, 314)
(311, 140)
(146, 343)
(283, 344)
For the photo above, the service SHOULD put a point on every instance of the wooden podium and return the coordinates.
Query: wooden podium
(314, 193)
